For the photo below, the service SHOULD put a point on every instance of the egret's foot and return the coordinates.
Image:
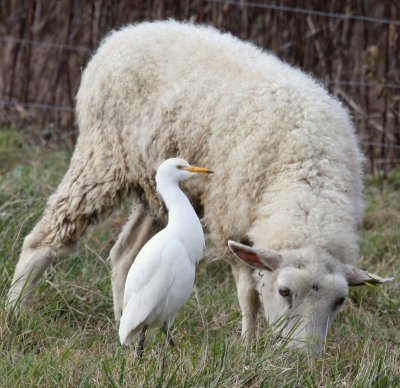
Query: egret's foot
(166, 331)
(139, 351)
(171, 341)
(140, 347)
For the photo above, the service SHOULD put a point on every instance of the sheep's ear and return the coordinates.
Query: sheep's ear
(356, 277)
(256, 258)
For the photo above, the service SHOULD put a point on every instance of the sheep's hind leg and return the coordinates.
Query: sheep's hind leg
(248, 299)
(136, 232)
(85, 193)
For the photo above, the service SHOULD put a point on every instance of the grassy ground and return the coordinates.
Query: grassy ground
(68, 338)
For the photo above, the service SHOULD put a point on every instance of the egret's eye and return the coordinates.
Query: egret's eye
(179, 167)
(315, 287)
(285, 292)
(339, 302)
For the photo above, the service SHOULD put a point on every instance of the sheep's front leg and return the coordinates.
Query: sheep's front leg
(63, 223)
(85, 194)
(35, 258)
(136, 232)
(248, 299)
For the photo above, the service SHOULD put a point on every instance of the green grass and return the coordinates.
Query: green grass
(67, 336)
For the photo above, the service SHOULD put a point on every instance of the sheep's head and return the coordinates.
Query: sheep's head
(301, 290)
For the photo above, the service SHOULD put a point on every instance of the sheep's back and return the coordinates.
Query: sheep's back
(167, 89)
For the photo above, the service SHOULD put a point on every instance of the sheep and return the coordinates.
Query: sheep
(288, 182)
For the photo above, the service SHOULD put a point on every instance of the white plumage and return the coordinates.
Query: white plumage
(161, 278)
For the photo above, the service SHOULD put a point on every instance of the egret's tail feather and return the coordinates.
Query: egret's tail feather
(127, 335)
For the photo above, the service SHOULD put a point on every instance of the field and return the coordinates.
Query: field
(68, 337)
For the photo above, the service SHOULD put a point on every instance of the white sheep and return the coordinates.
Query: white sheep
(288, 168)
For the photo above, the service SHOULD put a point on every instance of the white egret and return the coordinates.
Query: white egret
(161, 278)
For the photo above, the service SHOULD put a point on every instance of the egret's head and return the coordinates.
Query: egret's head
(177, 169)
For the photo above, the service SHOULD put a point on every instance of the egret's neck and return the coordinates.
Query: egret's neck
(183, 222)
(178, 205)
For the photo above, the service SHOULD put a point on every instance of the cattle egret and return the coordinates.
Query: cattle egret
(161, 278)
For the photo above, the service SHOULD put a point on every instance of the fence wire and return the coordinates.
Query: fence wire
(58, 46)
(333, 15)
(35, 105)
(39, 43)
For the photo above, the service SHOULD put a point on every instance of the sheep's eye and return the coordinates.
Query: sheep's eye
(285, 292)
(339, 302)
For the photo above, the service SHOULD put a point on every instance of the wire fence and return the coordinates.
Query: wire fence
(71, 109)
(38, 43)
(34, 105)
(58, 46)
(355, 53)
(296, 10)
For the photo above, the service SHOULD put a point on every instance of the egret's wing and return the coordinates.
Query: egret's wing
(145, 264)
(147, 285)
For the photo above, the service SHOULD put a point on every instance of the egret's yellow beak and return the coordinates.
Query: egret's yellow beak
(200, 170)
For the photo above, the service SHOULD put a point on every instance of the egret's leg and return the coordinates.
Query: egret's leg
(167, 332)
(84, 195)
(142, 339)
(135, 233)
(248, 299)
